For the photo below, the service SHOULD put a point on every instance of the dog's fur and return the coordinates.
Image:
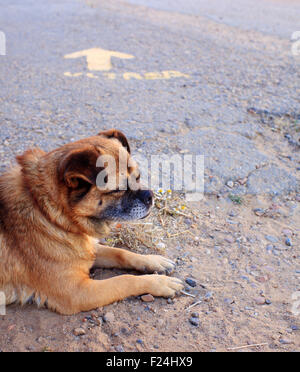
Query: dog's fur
(51, 215)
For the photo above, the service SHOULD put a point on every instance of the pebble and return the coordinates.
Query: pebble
(269, 248)
(288, 242)
(243, 181)
(109, 317)
(285, 341)
(271, 239)
(230, 184)
(79, 332)
(147, 298)
(262, 279)
(295, 328)
(230, 239)
(194, 321)
(191, 282)
(260, 301)
(161, 245)
(268, 302)
(245, 278)
(195, 315)
(259, 212)
(208, 296)
(170, 301)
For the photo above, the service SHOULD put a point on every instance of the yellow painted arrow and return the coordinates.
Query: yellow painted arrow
(99, 59)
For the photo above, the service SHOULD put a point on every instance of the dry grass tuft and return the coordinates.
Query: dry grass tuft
(169, 219)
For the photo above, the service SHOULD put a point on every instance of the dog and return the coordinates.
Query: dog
(53, 214)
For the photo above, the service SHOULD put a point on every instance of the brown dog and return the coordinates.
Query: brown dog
(51, 211)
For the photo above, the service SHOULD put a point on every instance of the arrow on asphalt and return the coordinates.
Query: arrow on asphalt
(98, 59)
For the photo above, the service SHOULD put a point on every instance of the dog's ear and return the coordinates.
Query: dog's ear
(29, 158)
(114, 133)
(79, 166)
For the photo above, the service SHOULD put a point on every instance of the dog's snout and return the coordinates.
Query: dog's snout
(146, 197)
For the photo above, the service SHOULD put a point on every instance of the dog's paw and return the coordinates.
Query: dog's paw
(164, 286)
(157, 264)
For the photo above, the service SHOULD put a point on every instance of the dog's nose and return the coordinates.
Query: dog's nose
(146, 197)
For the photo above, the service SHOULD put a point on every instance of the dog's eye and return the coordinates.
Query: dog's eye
(138, 178)
(115, 192)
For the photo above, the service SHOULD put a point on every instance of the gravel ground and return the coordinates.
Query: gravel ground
(234, 97)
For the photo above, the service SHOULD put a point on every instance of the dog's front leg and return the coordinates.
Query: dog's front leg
(108, 257)
(90, 294)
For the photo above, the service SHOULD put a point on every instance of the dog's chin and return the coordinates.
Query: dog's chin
(119, 217)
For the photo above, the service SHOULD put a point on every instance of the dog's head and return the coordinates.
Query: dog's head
(94, 181)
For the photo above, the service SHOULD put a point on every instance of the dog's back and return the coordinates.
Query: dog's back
(10, 262)
(5, 283)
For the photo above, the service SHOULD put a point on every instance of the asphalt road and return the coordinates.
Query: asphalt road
(216, 78)
(275, 17)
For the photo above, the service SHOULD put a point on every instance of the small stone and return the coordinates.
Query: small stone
(243, 277)
(261, 279)
(139, 341)
(170, 301)
(194, 321)
(208, 296)
(147, 298)
(230, 184)
(288, 242)
(271, 239)
(260, 301)
(191, 282)
(109, 317)
(268, 302)
(269, 248)
(243, 181)
(98, 322)
(79, 332)
(285, 341)
(294, 328)
(230, 239)
(195, 315)
(161, 246)
(259, 212)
